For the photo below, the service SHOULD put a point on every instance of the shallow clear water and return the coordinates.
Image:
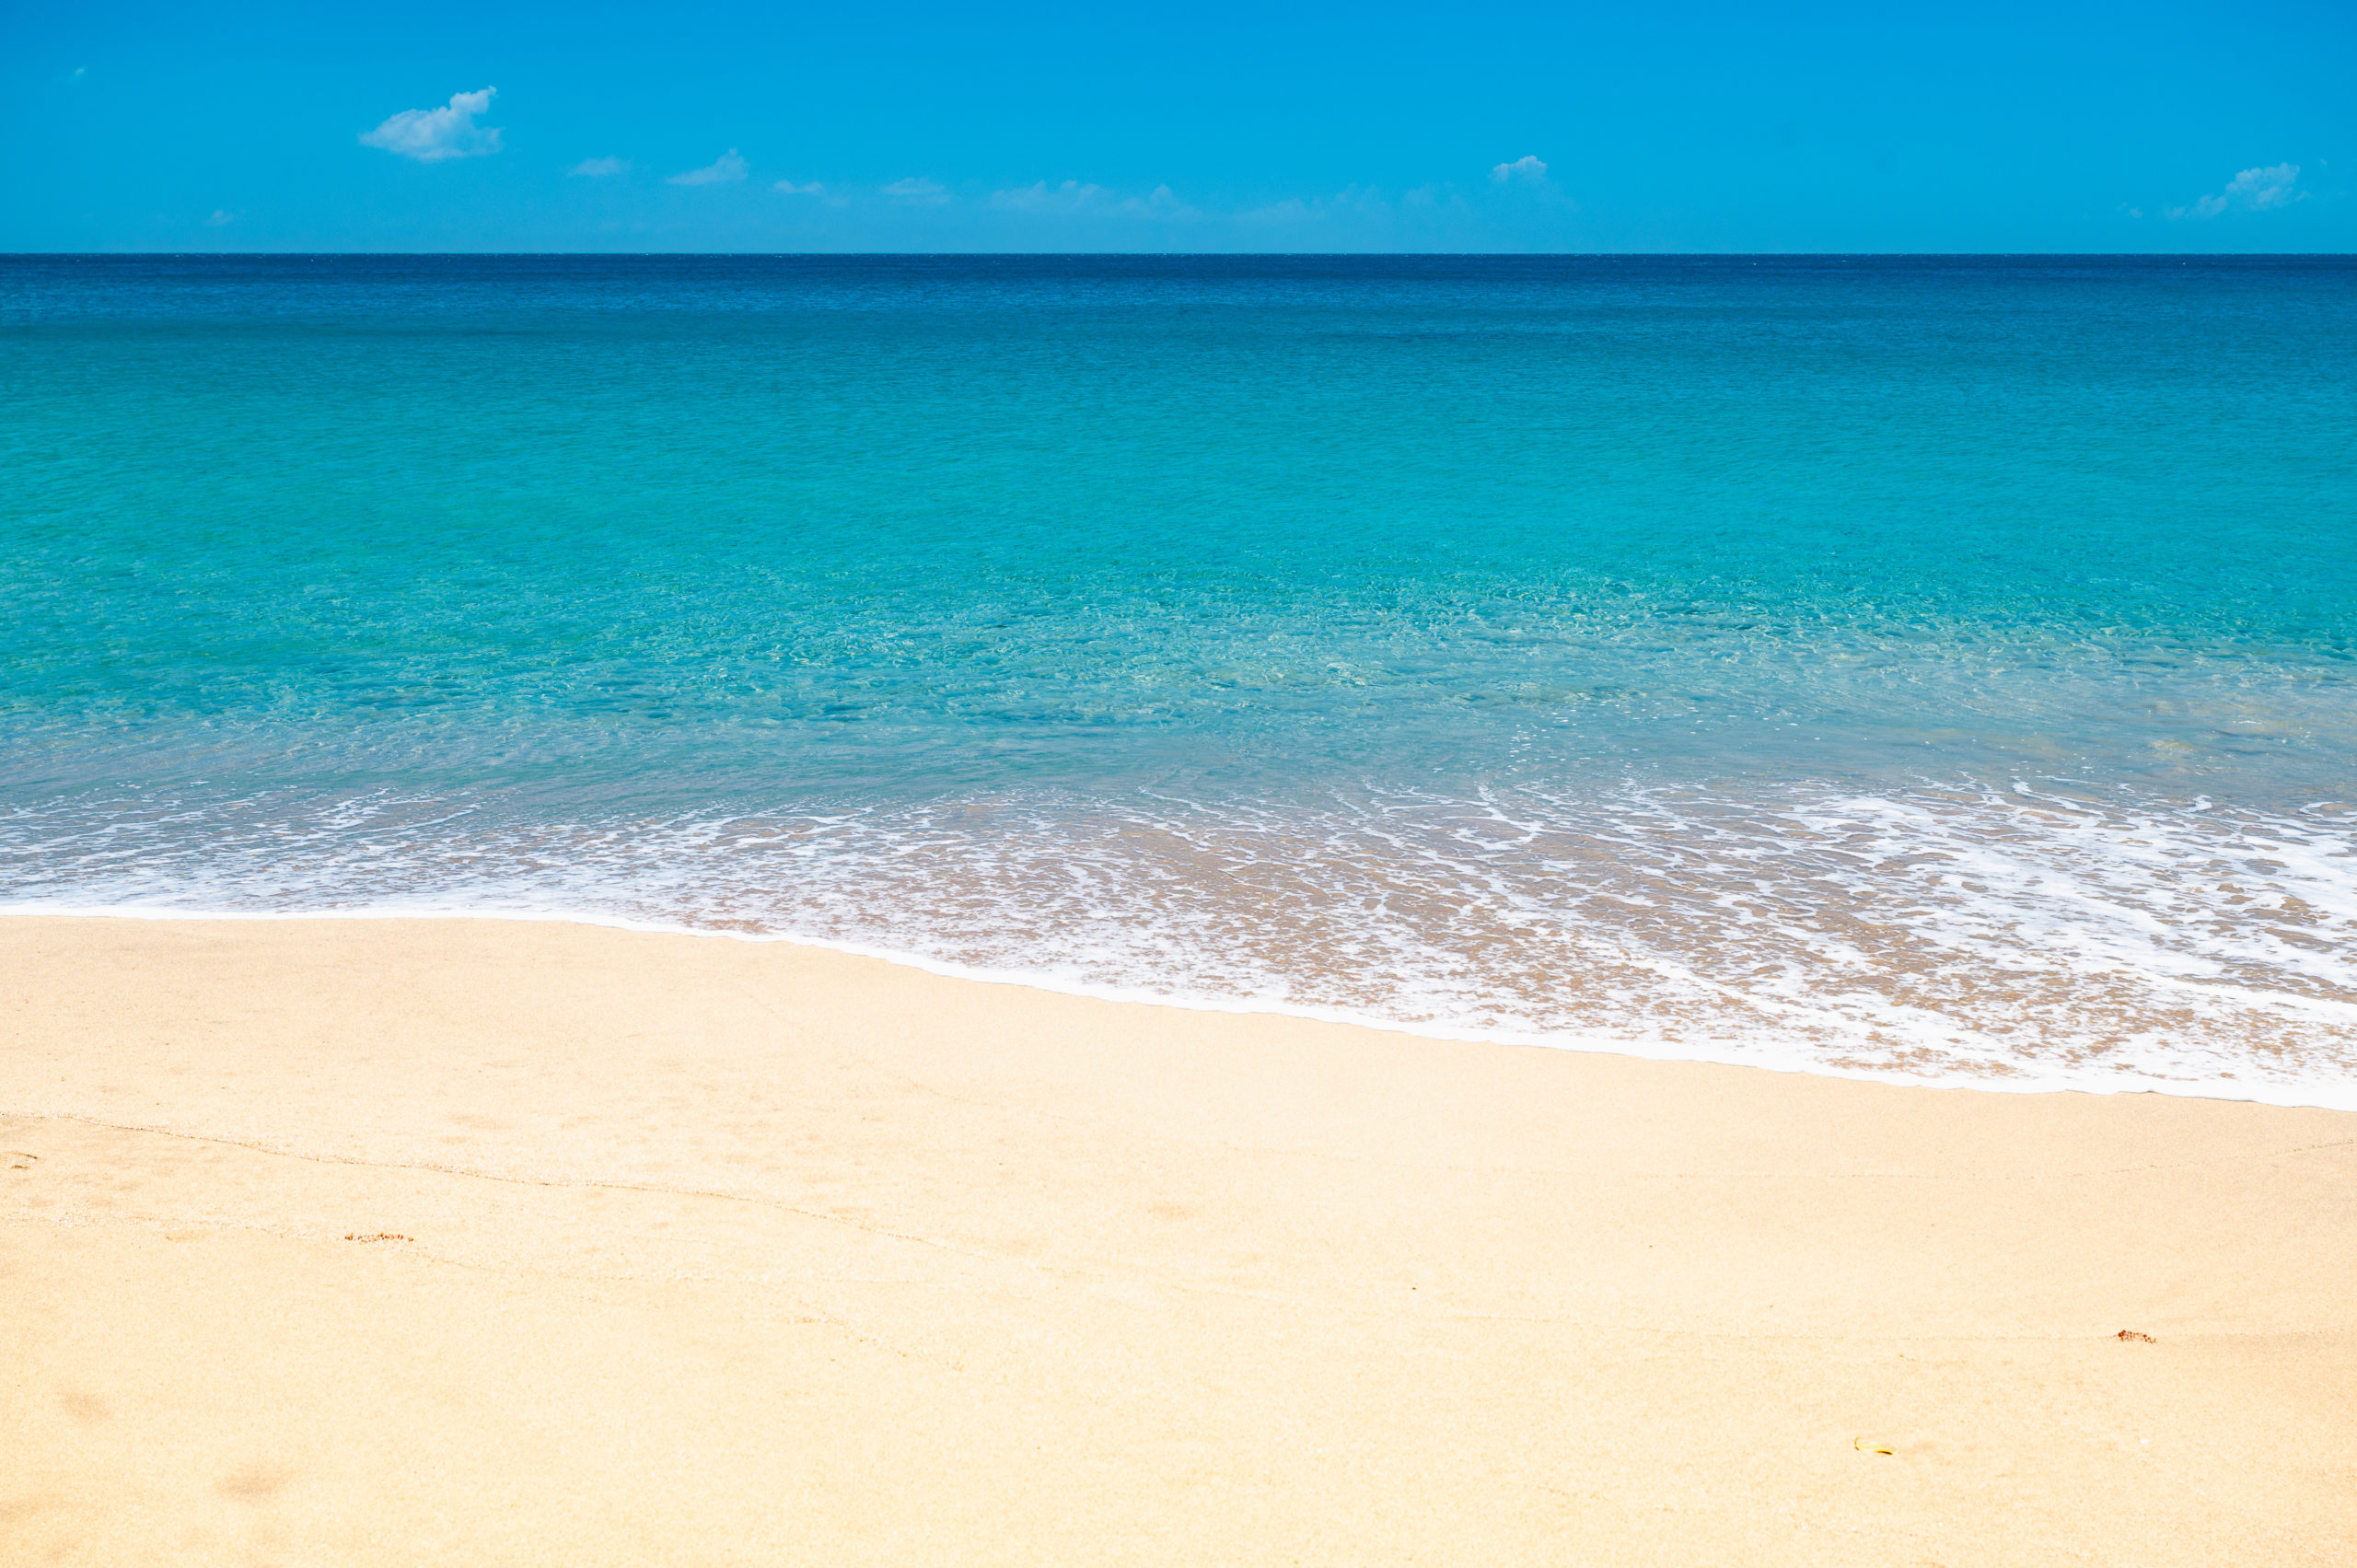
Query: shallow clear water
(1939, 668)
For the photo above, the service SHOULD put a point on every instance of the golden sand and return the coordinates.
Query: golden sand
(457, 1242)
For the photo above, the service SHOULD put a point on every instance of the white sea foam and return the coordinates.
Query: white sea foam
(2017, 937)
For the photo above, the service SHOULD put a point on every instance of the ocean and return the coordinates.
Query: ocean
(1935, 669)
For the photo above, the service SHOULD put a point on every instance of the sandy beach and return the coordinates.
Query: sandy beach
(475, 1241)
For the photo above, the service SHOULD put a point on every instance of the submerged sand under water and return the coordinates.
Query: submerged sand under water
(2027, 937)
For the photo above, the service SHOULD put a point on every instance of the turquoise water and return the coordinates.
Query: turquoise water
(1944, 669)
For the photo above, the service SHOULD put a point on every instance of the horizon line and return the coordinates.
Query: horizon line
(1198, 255)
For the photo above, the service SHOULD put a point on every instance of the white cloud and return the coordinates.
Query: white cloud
(430, 135)
(2252, 190)
(1527, 168)
(1073, 199)
(599, 167)
(1363, 203)
(724, 170)
(220, 217)
(824, 196)
(920, 191)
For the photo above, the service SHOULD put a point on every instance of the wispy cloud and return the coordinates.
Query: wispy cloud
(2252, 190)
(221, 218)
(924, 192)
(599, 167)
(723, 171)
(824, 196)
(1528, 170)
(1073, 199)
(431, 136)
(1359, 202)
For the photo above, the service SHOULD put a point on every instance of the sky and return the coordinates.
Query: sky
(697, 126)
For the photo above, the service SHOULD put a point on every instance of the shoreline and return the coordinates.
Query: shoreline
(507, 1241)
(2341, 1097)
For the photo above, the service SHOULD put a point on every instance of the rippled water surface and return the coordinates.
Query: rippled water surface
(1937, 667)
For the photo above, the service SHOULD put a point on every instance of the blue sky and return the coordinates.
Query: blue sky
(692, 126)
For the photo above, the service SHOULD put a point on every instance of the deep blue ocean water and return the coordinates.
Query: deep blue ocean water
(1943, 668)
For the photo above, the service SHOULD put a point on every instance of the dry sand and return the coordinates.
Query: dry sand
(689, 1250)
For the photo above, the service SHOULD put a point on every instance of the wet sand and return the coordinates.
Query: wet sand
(473, 1241)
